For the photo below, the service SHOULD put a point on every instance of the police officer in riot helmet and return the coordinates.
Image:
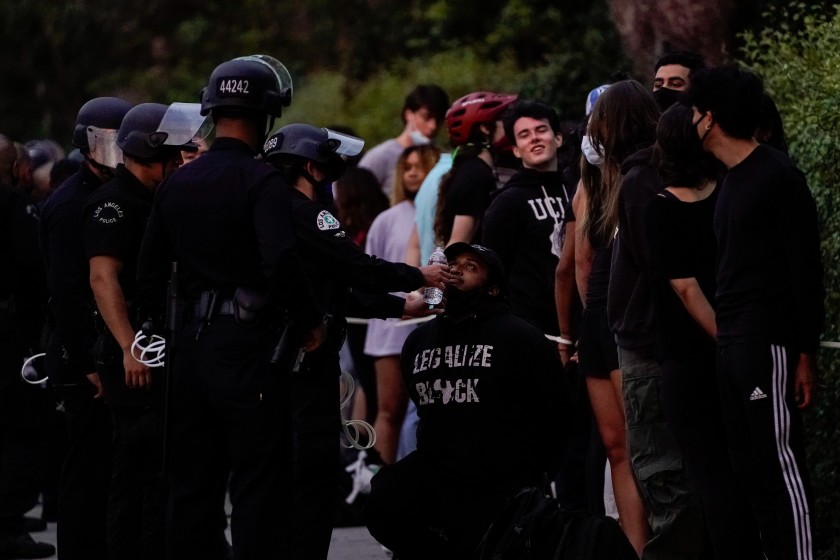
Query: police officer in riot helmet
(83, 491)
(114, 221)
(225, 220)
(310, 158)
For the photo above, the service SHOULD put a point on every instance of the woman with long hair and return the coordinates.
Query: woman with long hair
(387, 239)
(622, 122)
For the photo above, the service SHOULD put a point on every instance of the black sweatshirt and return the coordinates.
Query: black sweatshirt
(769, 271)
(525, 224)
(629, 302)
(490, 396)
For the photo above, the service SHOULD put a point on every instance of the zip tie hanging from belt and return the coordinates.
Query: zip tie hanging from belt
(149, 350)
(353, 428)
(29, 373)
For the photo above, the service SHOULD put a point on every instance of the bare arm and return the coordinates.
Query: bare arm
(692, 298)
(583, 249)
(464, 229)
(110, 300)
(412, 250)
(564, 289)
(805, 380)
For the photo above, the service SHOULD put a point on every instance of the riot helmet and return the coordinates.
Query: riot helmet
(95, 133)
(152, 131)
(255, 83)
(476, 108)
(293, 144)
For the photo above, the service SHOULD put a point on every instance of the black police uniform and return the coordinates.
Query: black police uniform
(83, 492)
(24, 413)
(225, 218)
(332, 263)
(114, 221)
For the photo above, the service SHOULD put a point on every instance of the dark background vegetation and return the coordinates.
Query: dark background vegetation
(354, 60)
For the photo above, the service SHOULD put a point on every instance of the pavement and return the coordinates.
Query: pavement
(349, 543)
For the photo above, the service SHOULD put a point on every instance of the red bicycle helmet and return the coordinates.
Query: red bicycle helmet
(472, 109)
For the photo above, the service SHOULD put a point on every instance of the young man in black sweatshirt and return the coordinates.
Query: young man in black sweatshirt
(770, 309)
(526, 219)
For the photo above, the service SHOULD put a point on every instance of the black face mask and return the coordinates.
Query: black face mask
(665, 97)
(460, 303)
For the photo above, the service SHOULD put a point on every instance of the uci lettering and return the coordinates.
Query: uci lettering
(233, 87)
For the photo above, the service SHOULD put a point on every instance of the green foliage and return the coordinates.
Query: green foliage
(359, 57)
(799, 59)
(372, 108)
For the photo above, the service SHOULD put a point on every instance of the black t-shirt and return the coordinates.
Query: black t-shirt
(468, 192)
(114, 221)
(682, 245)
(769, 271)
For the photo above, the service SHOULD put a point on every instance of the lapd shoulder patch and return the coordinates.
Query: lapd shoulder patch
(326, 221)
(108, 213)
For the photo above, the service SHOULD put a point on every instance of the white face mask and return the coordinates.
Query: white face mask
(590, 153)
(419, 139)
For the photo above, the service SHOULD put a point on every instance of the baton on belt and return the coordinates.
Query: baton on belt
(173, 327)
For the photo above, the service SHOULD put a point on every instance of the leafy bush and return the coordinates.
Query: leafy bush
(799, 59)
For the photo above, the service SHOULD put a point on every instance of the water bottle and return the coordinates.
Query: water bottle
(433, 296)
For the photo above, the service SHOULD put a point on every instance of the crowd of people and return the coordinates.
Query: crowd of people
(632, 304)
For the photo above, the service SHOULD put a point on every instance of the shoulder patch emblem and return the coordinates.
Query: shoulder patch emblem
(327, 221)
(108, 213)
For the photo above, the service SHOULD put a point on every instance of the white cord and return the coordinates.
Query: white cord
(152, 349)
(400, 323)
(26, 368)
(354, 428)
(560, 339)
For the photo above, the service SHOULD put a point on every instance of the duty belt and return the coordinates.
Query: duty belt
(221, 307)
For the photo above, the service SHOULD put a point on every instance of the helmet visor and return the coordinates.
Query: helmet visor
(284, 79)
(183, 123)
(343, 144)
(103, 146)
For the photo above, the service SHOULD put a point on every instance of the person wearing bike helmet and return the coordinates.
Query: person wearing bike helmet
(113, 223)
(225, 220)
(85, 475)
(310, 158)
(475, 129)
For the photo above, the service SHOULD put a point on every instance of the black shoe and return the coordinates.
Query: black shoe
(23, 546)
(33, 524)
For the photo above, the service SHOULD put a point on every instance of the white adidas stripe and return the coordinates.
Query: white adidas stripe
(790, 470)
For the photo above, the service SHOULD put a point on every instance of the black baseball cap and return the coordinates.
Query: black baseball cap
(495, 269)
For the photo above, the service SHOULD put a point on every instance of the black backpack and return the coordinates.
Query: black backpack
(533, 526)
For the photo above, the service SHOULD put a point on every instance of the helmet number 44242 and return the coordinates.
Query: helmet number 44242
(234, 86)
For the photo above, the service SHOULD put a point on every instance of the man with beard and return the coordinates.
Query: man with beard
(488, 425)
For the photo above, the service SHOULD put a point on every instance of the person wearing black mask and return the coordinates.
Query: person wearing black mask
(673, 76)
